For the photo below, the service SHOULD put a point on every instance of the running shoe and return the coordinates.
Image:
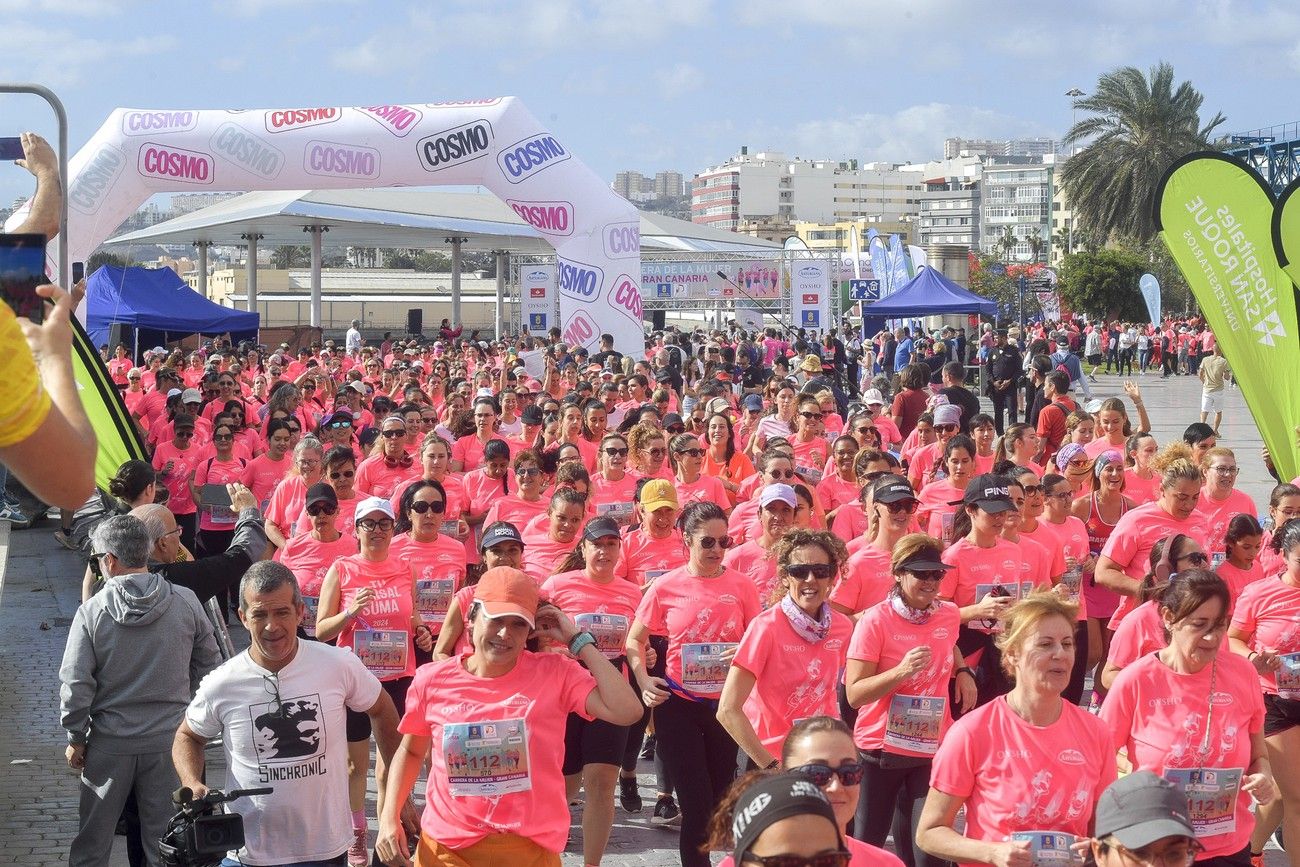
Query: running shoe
(666, 812)
(357, 854)
(64, 539)
(629, 797)
(12, 514)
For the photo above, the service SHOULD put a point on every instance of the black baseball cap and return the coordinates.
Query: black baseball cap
(891, 489)
(988, 492)
(671, 419)
(498, 532)
(320, 493)
(600, 528)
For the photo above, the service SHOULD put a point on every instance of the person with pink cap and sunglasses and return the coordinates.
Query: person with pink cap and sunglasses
(488, 722)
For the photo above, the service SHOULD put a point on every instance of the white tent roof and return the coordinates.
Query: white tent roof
(400, 218)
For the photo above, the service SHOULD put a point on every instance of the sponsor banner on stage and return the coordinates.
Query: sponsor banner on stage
(699, 281)
(537, 298)
(810, 294)
(1216, 217)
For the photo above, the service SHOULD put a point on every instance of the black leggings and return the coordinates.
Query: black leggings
(701, 757)
(885, 790)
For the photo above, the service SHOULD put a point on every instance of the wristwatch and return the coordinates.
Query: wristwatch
(579, 641)
(965, 668)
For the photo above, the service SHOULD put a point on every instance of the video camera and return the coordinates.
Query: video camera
(198, 836)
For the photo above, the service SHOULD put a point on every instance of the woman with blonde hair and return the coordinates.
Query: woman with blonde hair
(1028, 761)
(1123, 559)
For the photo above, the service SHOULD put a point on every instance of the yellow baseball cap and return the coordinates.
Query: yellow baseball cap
(657, 494)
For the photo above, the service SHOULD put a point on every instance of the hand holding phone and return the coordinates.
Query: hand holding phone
(22, 269)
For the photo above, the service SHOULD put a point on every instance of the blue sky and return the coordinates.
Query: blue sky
(661, 84)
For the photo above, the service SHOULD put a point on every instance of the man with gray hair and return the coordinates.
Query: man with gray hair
(281, 710)
(135, 654)
(206, 576)
(352, 340)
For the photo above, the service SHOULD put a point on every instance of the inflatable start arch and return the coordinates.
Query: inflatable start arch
(494, 142)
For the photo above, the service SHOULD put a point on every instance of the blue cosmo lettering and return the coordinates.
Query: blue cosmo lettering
(555, 218)
(455, 146)
(524, 159)
(248, 151)
(578, 280)
(330, 158)
(159, 161)
(95, 179)
(141, 122)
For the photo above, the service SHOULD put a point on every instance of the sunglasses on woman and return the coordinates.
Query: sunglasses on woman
(421, 507)
(527, 472)
(945, 428)
(780, 474)
(394, 434)
(343, 474)
(695, 453)
(316, 509)
(616, 453)
(804, 571)
(708, 542)
(338, 425)
(850, 773)
(901, 507)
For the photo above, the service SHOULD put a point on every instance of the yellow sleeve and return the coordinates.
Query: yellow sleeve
(24, 403)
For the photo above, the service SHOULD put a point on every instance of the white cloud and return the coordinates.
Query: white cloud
(65, 58)
(913, 133)
(76, 8)
(679, 79)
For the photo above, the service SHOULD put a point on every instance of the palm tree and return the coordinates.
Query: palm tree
(1138, 128)
(1061, 241)
(1035, 241)
(1007, 243)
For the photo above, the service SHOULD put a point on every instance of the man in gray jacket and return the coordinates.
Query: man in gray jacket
(135, 654)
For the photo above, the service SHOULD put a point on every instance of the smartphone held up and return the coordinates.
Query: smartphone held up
(22, 269)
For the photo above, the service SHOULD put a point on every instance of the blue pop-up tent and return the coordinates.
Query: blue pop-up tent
(159, 306)
(929, 293)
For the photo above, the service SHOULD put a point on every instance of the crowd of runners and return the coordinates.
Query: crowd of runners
(519, 568)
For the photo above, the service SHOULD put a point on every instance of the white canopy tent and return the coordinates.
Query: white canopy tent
(396, 218)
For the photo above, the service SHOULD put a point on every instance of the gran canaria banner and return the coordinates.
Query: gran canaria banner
(1215, 215)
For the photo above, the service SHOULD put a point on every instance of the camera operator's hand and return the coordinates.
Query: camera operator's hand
(241, 498)
(76, 755)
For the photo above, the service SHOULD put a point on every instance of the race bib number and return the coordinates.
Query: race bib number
(811, 475)
(1073, 579)
(1048, 848)
(487, 758)
(914, 723)
(433, 598)
(703, 668)
(609, 630)
(619, 512)
(382, 651)
(1211, 797)
(945, 522)
(1288, 676)
(221, 515)
(312, 606)
(1217, 558)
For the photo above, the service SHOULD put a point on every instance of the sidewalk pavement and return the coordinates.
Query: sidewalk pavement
(40, 591)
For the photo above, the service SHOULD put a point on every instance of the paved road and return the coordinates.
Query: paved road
(39, 591)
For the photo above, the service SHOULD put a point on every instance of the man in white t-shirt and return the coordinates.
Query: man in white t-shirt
(280, 708)
(352, 340)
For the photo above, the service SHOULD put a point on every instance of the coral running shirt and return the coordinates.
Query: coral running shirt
(644, 558)
(1020, 777)
(1269, 611)
(494, 766)
(1217, 514)
(382, 634)
(702, 618)
(794, 678)
(1194, 729)
(865, 581)
(1135, 534)
(912, 719)
(309, 560)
